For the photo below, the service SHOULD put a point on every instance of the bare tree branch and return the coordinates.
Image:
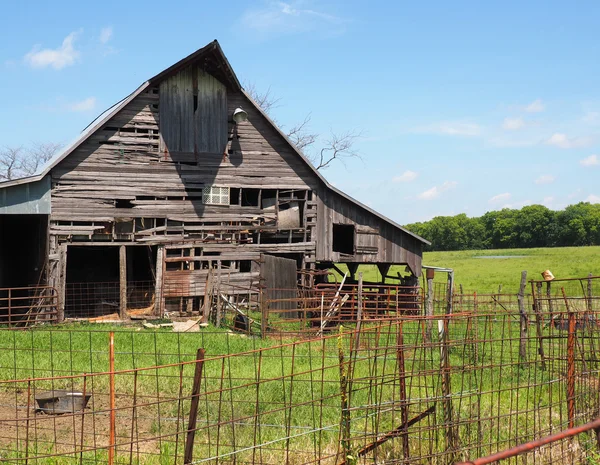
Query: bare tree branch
(265, 100)
(39, 154)
(18, 162)
(337, 147)
(11, 163)
(300, 136)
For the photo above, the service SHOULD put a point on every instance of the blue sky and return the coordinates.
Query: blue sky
(463, 106)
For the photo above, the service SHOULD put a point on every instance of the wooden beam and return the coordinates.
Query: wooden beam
(123, 281)
(158, 285)
(62, 281)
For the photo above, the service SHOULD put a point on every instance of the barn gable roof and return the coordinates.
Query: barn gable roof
(216, 64)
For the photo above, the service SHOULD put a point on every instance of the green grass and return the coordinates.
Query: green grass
(486, 275)
(529, 396)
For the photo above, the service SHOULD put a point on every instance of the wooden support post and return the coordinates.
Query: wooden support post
(450, 293)
(191, 430)
(429, 304)
(549, 298)
(158, 285)
(122, 282)
(523, 326)
(451, 438)
(190, 300)
(537, 295)
(590, 293)
(359, 302)
(62, 281)
(264, 312)
(218, 293)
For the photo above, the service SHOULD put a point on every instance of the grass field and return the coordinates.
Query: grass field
(484, 275)
(486, 379)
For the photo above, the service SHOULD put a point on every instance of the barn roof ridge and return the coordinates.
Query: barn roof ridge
(226, 73)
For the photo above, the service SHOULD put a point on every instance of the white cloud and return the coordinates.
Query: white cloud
(592, 160)
(518, 205)
(87, 104)
(545, 179)
(593, 199)
(435, 191)
(500, 198)
(548, 201)
(58, 58)
(106, 34)
(513, 124)
(450, 128)
(407, 176)
(564, 142)
(536, 106)
(289, 18)
(577, 193)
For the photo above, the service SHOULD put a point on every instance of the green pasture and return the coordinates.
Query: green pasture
(485, 275)
(488, 381)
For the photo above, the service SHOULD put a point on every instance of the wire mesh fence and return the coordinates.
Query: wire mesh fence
(496, 373)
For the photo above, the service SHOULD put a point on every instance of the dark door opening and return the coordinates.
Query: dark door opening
(343, 238)
(23, 241)
(93, 284)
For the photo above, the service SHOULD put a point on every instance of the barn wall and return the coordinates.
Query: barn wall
(140, 179)
(193, 111)
(375, 240)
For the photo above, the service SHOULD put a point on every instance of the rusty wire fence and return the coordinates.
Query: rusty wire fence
(500, 371)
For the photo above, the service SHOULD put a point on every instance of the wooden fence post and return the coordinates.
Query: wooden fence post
(523, 318)
(536, 291)
(191, 430)
(451, 443)
(429, 304)
(589, 294)
(450, 293)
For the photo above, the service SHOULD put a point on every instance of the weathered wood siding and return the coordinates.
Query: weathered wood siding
(193, 111)
(139, 179)
(376, 241)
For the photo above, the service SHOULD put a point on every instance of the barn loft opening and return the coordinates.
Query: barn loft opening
(343, 238)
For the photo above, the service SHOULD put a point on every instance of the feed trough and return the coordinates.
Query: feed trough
(61, 401)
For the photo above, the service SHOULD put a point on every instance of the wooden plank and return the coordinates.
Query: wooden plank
(158, 285)
(123, 282)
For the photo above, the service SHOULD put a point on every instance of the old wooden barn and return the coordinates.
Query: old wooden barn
(166, 189)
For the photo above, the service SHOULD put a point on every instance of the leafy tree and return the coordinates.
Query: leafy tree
(531, 226)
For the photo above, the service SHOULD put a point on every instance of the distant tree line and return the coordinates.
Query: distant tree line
(531, 226)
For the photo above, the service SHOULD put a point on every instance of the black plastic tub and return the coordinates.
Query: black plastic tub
(61, 401)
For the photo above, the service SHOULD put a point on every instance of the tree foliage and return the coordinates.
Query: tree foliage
(531, 226)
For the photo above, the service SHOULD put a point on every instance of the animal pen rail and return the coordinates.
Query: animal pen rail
(413, 389)
(26, 306)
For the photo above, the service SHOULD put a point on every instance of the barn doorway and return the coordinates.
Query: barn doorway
(93, 280)
(23, 241)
